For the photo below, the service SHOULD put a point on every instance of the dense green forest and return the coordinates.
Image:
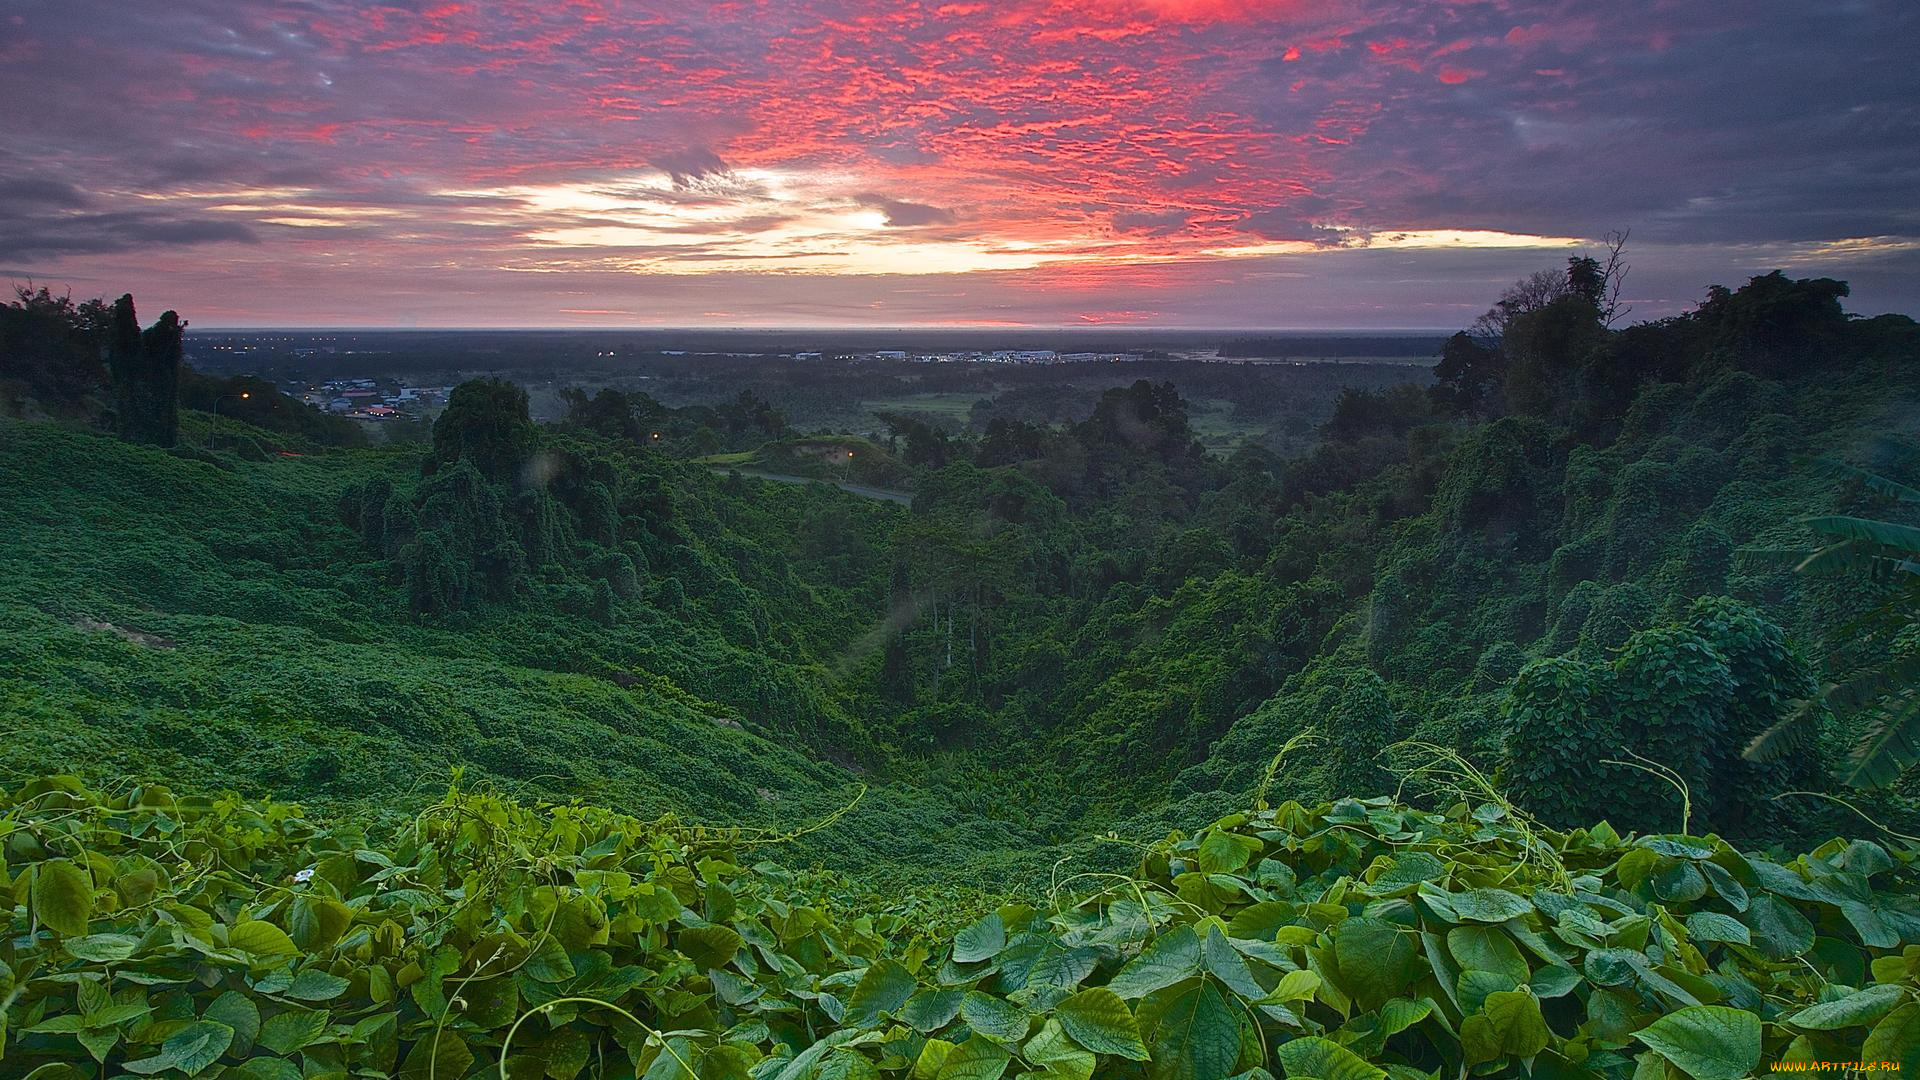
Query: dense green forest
(1505, 730)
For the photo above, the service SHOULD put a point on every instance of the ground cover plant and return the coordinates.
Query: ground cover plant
(164, 934)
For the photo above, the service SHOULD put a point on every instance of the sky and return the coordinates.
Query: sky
(1180, 163)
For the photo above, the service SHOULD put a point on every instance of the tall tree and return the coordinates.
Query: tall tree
(486, 423)
(144, 369)
(1467, 378)
(161, 349)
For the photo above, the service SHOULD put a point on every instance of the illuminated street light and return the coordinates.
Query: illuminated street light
(214, 431)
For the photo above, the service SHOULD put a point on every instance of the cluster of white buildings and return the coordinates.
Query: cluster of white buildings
(368, 399)
(977, 356)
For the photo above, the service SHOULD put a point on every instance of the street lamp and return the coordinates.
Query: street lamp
(214, 430)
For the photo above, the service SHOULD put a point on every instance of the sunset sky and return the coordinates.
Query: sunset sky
(1036, 162)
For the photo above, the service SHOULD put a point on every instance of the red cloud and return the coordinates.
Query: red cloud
(1119, 137)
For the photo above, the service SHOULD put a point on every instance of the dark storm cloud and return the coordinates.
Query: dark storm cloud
(1288, 223)
(1754, 123)
(113, 233)
(30, 192)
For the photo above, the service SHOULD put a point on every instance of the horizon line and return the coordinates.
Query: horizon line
(1409, 331)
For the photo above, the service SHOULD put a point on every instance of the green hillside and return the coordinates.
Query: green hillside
(1486, 738)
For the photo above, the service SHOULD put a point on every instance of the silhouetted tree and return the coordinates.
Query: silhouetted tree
(1467, 379)
(144, 368)
(1776, 322)
(161, 346)
(1586, 280)
(50, 348)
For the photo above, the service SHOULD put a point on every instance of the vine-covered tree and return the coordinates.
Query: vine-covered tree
(487, 424)
(1636, 739)
(144, 367)
(1876, 681)
(50, 349)
(1467, 378)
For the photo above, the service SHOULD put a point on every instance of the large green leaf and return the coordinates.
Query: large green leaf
(1858, 1009)
(316, 985)
(1056, 1055)
(238, 1012)
(1488, 905)
(1891, 745)
(1224, 852)
(102, 948)
(62, 896)
(1061, 969)
(1477, 986)
(293, 1029)
(976, 1059)
(316, 922)
(1896, 1038)
(1296, 986)
(435, 1058)
(264, 1068)
(710, 946)
(1509, 1024)
(1196, 1037)
(842, 1064)
(1779, 930)
(930, 1010)
(994, 1017)
(981, 941)
(1099, 1020)
(1167, 959)
(803, 1063)
(884, 989)
(263, 939)
(1375, 959)
(933, 1054)
(189, 1050)
(1487, 948)
(1326, 1060)
(1709, 926)
(1904, 539)
(1707, 1042)
(1223, 962)
(547, 960)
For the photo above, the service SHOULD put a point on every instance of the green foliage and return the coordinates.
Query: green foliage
(50, 353)
(486, 425)
(1589, 741)
(1879, 678)
(1082, 623)
(189, 936)
(1467, 375)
